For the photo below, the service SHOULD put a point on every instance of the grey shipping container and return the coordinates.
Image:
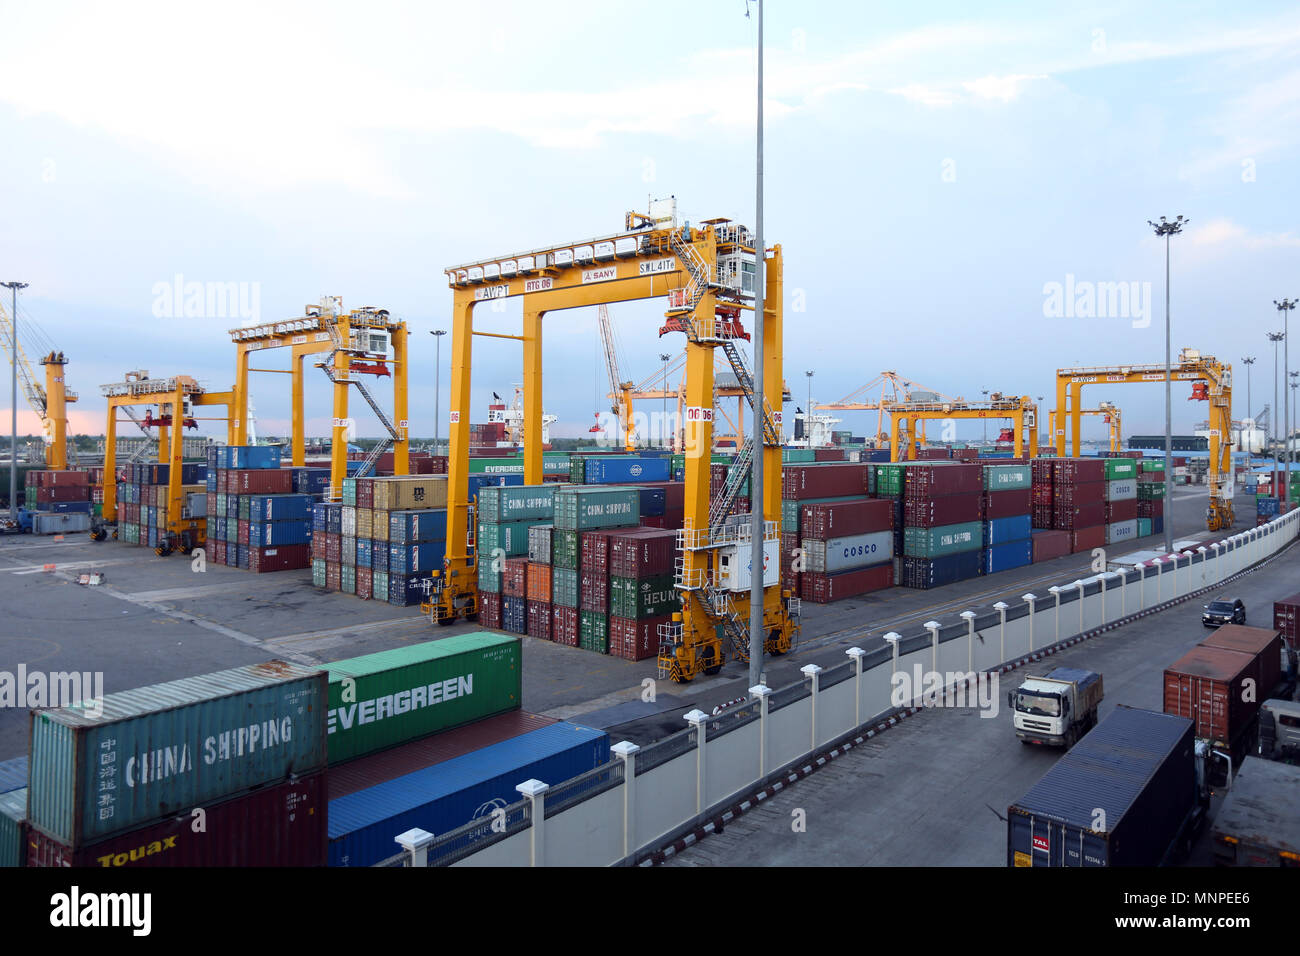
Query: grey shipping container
(13, 837)
(501, 503)
(854, 551)
(67, 522)
(1122, 489)
(101, 768)
(1258, 824)
(1121, 797)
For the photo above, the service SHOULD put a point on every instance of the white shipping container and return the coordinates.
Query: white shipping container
(62, 522)
(1121, 531)
(349, 521)
(735, 563)
(848, 553)
(1122, 489)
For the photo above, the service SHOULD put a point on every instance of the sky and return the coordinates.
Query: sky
(933, 172)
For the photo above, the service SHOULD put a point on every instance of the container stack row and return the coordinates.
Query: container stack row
(1094, 500)
(61, 502)
(1150, 496)
(143, 503)
(259, 517)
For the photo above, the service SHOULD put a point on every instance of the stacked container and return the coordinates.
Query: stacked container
(640, 561)
(848, 549)
(143, 503)
(814, 484)
(1006, 512)
(1121, 500)
(1151, 497)
(244, 472)
(943, 535)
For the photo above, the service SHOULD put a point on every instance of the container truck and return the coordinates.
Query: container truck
(1257, 824)
(1133, 792)
(1056, 709)
(1279, 730)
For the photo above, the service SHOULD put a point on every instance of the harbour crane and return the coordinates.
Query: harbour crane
(50, 401)
(1111, 417)
(887, 387)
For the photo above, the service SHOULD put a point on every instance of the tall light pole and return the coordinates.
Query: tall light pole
(13, 288)
(985, 421)
(1248, 361)
(1166, 229)
(1274, 337)
(1285, 306)
(757, 630)
(437, 386)
(1294, 383)
(663, 412)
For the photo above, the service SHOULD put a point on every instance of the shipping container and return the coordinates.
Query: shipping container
(942, 541)
(539, 620)
(1264, 644)
(1138, 768)
(279, 825)
(1208, 685)
(539, 543)
(643, 597)
(407, 589)
(1002, 530)
(13, 774)
(416, 559)
(849, 552)
(1007, 477)
(106, 767)
(935, 512)
(290, 557)
(1122, 489)
(1085, 539)
(511, 537)
(618, 469)
(1074, 517)
(564, 548)
(1286, 619)
(564, 625)
(644, 552)
(1117, 468)
(1257, 824)
(928, 480)
(1006, 504)
(259, 482)
(500, 504)
(823, 481)
(635, 640)
(565, 587)
(363, 825)
(1121, 531)
(13, 828)
(792, 510)
(1116, 511)
(410, 492)
(263, 508)
(925, 573)
(409, 692)
(593, 631)
(823, 588)
(844, 518)
(1005, 557)
(489, 608)
(1075, 471)
(585, 509)
(1051, 544)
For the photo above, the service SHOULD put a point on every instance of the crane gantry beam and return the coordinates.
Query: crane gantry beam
(893, 388)
(1111, 416)
(1022, 412)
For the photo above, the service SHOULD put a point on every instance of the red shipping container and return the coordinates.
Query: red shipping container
(333, 547)
(1151, 509)
(282, 825)
(212, 504)
(1085, 539)
(564, 626)
(63, 479)
(936, 512)
(1079, 494)
(595, 551)
(1265, 644)
(59, 493)
(635, 640)
(933, 454)
(1077, 471)
(823, 481)
(539, 620)
(1286, 619)
(318, 542)
(1121, 510)
(514, 577)
(489, 614)
(654, 521)
(1069, 518)
(365, 582)
(1005, 504)
(1042, 470)
(826, 588)
(842, 518)
(281, 557)
(1051, 544)
(260, 481)
(1205, 684)
(828, 454)
(243, 532)
(593, 587)
(216, 551)
(333, 576)
(644, 553)
(936, 481)
(1043, 516)
(538, 586)
(366, 491)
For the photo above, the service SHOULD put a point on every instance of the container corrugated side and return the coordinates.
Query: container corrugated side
(169, 747)
(498, 504)
(408, 692)
(283, 825)
(362, 825)
(13, 828)
(848, 552)
(943, 540)
(13, 774)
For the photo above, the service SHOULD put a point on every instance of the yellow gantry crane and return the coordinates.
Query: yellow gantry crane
(1211, 382)
(707, 274)
(1111, 417)
(175, 399)
(49, 401)
(355, 343)
(905, 416)
(893, 388)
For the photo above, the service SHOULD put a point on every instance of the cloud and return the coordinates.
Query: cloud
(1225, 233)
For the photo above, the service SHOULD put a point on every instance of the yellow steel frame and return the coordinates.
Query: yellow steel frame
(171, 442)
(651, 271)
(57, 398)
(905, 416)
(314, 342)
(1113, 421)
(1191, 366)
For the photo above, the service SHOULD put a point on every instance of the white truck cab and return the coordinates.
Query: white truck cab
(1057, 708)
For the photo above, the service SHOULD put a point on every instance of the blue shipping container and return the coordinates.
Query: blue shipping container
(653, 502)
(271, 533)
(1004, 557)
(13, 774)
(67, 507)
(242, 556)
(311, 481)
(619, 470)
(927, 573)
(264, 508)
(1002, 530)
(379, 557)
(405, 590)
(364, 551)
(334, 519)
(411, 527)
(416, 558)
(211, 480)
(482, 481)
(447, 795)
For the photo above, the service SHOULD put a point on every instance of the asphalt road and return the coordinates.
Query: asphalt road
(934, 789)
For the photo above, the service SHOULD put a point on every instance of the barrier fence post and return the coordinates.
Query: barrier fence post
(535, 791)
(416, 842)
(813, 672)
(1031, 600)
(699, 720)
(1079, 586)
(1001, 608)
(1055, 591)
(969, 618)
(761, 691)
(856, 654)
(625, 750)
(1123, 591)
(933, 628)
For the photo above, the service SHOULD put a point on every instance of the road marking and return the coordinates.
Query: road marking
(309, 637)
(174, 594)
(66, 566)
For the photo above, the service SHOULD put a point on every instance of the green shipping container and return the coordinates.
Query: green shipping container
(350, 491)
(348, 579)
(1144, 527)
(1150, 490)
(510, 536)
(1007, 477)
(488, 580)
(13, 840)
(497, 504)
(318, 572)
(1120, 468)
(889, 479)
(564, 587)
(1153, 464)
(578, 470)
(639, 598)
(599, 506)
(593, 631)
(942, 541)
(245, 505)
(798, 455)
(380, 583)
(564, 549)
(385, 699)
(498, 466)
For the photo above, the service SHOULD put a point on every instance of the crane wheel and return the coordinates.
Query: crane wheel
(473, 618)
(99, 534)
(707, 656)
(444, 621)
(114, 534)
(163, 550)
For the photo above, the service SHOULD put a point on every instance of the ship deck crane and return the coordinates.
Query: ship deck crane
(1111, 417)
(1211, 382)
(1021, 410)
(706, 271)
(50, 401)
(355, 342)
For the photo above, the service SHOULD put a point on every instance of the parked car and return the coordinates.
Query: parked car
(1225, 611)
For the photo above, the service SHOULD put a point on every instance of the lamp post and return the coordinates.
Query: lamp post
(1294, 376)
(1166, 229)
(1285, 306)
(757, 629)
(984, 421)
(807, 415)
(663, 411)
(1275, 337)
(437, 387)
(13, 288)
(1248, 361)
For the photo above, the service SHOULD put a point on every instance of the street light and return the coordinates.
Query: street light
(985, 421)
(13, 288)
(663, 413)
(1285, 307)
(757, 630)
(1248, 361)
(1166, 229)
(437, 387)
(1275, 337)
(807, 414)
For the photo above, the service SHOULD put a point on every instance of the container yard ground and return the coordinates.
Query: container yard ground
(155, 619)
(921, 793)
